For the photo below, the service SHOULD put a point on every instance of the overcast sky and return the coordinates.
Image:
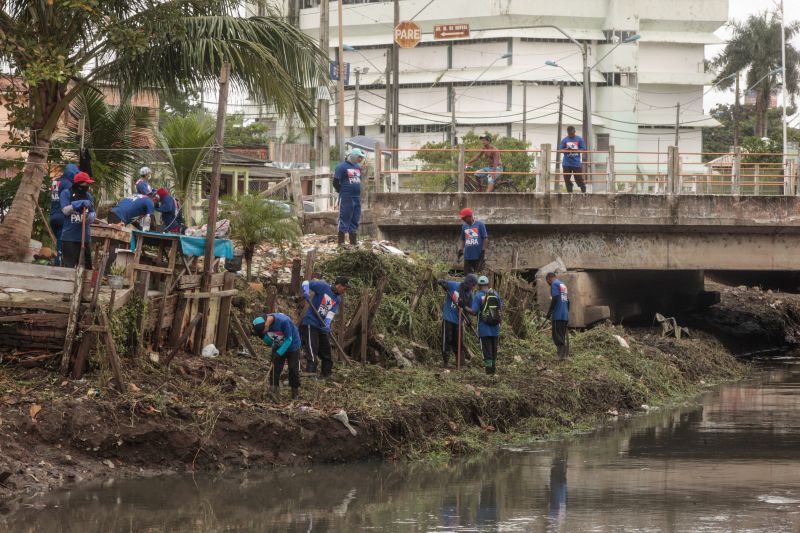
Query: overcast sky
(740, 10)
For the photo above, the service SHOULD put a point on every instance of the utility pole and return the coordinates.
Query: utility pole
(354, 131)
(387, 130)
(560, 121)
(323, 137)
(396, 81)
(736, 115)
(783, 97)
(213, 200)
(340, 108)
(524, 111)
(677, 122)
(452, 116)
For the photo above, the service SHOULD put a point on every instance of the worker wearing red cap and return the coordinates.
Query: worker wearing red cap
(171, 218)
(77, 203)
(473, 242)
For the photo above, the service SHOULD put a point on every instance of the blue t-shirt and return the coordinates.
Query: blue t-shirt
(143, 186)
(71, 232)
(572, 159)
(473, 237)
(58, 185)
(349, 177)
(132, 208)
(558, 289)
(168, 208)
(325, 301)
(484, 329)
(450, 306)
(281, 329)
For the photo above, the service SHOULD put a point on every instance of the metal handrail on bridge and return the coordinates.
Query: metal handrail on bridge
(606, 171)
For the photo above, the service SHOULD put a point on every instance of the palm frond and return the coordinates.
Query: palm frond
(186, 142)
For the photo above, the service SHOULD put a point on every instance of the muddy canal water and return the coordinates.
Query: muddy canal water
(730, 462)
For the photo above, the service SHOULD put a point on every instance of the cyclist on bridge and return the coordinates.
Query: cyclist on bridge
(494, 163)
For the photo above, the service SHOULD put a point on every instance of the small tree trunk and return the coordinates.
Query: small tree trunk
(15, 232)
(248, 256)
(762, 104)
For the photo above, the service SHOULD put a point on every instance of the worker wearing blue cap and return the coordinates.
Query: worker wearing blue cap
(347, 182)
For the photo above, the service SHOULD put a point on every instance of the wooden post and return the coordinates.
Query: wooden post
(142, 284)
(756, 179)
(544, 169)
(213, 201)
(612, 174)
(421, 289)
(242, 334)
(364, 324)
(113, 357)
(272, 295)
(378, 168)
(736, 176)
(340, 322)
(310, 259)
(72, 321)
(296, 188)
(183, 338)
(296, 281)
(461, 169)
(225, 314)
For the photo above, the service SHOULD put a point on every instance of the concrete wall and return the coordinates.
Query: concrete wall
(627, 232)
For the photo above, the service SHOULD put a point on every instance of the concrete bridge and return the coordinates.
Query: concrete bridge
(620, 247)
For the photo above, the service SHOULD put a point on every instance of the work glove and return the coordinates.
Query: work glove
(90, 217)
(283, 348)
(267, 340)
(328, 323)
(77, 205)
(306, 293)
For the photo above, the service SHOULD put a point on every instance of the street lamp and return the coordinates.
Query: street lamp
(453, 98)
(551, 63)
(587, 85)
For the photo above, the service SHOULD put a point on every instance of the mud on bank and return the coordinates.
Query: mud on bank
(202, 414)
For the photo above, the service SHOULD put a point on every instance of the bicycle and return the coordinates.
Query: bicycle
(475, 184)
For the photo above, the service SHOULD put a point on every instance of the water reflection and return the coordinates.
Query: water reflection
(732, 463)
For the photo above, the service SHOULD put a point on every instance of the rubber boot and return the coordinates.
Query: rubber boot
(353, 238)
(340, 239)
(295, 393)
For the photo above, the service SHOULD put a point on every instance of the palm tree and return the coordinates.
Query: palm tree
(755, 46)
(186, 141)
(59, 48)
(256, 220)
(112, 135)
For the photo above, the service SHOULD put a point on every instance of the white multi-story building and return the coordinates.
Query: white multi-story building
(635, 91)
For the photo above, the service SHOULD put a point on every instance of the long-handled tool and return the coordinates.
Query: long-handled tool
(83, 238)
(460, 327)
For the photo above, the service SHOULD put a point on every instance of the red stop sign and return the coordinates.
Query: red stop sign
(407, 34)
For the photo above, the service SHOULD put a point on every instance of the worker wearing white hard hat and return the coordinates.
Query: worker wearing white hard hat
(143, 183)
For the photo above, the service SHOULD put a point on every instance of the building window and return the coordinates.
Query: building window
(362, 130)
(602, 142)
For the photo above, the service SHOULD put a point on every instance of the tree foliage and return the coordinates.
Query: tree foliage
(186, 142)
(446, 161)
(720, 139)
(755, 48)
(57, 49)
(256, 220)
(237, 133)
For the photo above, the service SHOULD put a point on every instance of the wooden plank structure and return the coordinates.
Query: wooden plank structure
(53, 313)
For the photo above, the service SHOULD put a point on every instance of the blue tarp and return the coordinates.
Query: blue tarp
(191, 245)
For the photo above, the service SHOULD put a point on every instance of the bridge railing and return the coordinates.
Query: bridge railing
(602, 171)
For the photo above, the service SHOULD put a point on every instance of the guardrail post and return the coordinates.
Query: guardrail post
(612, 175)
(796, 185)
(461, 169)
(736, 174)
(544, 169)
(672, 170)
(378, 167)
